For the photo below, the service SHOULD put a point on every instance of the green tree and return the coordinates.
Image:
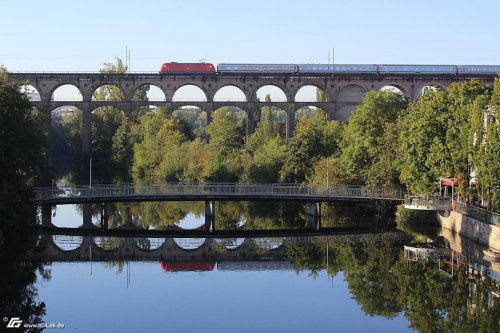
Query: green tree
(21, 143)
(363, 136)
(225, 146)
(112, 136)
(384, 171)
(266, 162)
(122, 149)
(223, 133)
(158, 156)
(105, 123)
(320, 95)
(488, 167)
(423, 152)
(459, 143)
(485, 134)
(314, 137)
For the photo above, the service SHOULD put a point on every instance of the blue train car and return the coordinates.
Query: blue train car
(417, 69)
(338, 68)
(257, 68)
(478, 69)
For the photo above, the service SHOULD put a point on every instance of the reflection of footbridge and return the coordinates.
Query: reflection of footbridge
(312, 195)
(64, 248)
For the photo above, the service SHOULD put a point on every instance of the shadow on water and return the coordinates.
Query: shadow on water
(19, 264)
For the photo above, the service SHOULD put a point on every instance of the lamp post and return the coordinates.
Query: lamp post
(327, 166)
(90, 177)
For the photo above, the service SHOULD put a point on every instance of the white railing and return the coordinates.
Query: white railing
(427, 202)
(435, 202)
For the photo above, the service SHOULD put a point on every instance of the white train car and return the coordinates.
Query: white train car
(417, 69)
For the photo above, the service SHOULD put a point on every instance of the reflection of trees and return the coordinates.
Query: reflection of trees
(367, 268)
(377, 215)
(273, 215)
(305, 256)
(369, 275)
(433, 302)
(18, 294)
(161, 215)
(384, 284)
(228, 215)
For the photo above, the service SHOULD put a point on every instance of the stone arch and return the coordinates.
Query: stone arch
(66, 89)
(240, 114)
(31, 91)
(269, 243)
(138, 110)
(120, 95)
(398, 88)
(62, 155)
(306, 111)
(279, 117)
(284, 91)
(230, 243)
(419, 90)
(195, 116)
(181, 89)
(98, 108)
(275, 108)
(302, 88)
(223, 99)
(149, 244)
(155, 93)
(109, 243)
(67, 242)
(189, 244)
(191, 221)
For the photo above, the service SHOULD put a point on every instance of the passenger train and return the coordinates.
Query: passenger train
(176, 68)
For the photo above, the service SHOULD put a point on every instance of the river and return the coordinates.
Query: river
(335, 281)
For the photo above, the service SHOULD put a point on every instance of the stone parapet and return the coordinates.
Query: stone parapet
(472, 228)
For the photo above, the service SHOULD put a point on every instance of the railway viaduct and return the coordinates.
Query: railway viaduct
(62, 248)
(343, 92)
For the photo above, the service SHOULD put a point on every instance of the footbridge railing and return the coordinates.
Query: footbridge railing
(130, 192)
(427, 202)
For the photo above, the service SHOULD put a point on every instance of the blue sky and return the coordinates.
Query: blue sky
(82, 35)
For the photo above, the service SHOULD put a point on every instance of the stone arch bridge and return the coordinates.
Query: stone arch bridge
(343, 92)
(67, 248)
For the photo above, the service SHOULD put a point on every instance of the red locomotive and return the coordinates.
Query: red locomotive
(187, 266)
(183, 67)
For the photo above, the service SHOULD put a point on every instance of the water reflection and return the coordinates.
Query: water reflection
(230, 243)
(269, 243)
(428, 287)
(228, 216)
(189, 243)
(344, 282)
(21, 274)
(67, 242)
(150, 244)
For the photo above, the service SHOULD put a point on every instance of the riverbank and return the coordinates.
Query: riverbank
(470, 227)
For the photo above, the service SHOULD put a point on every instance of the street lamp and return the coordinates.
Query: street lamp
(327, 165)
(90, 177)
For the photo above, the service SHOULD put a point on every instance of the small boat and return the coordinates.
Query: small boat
(491, 254)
